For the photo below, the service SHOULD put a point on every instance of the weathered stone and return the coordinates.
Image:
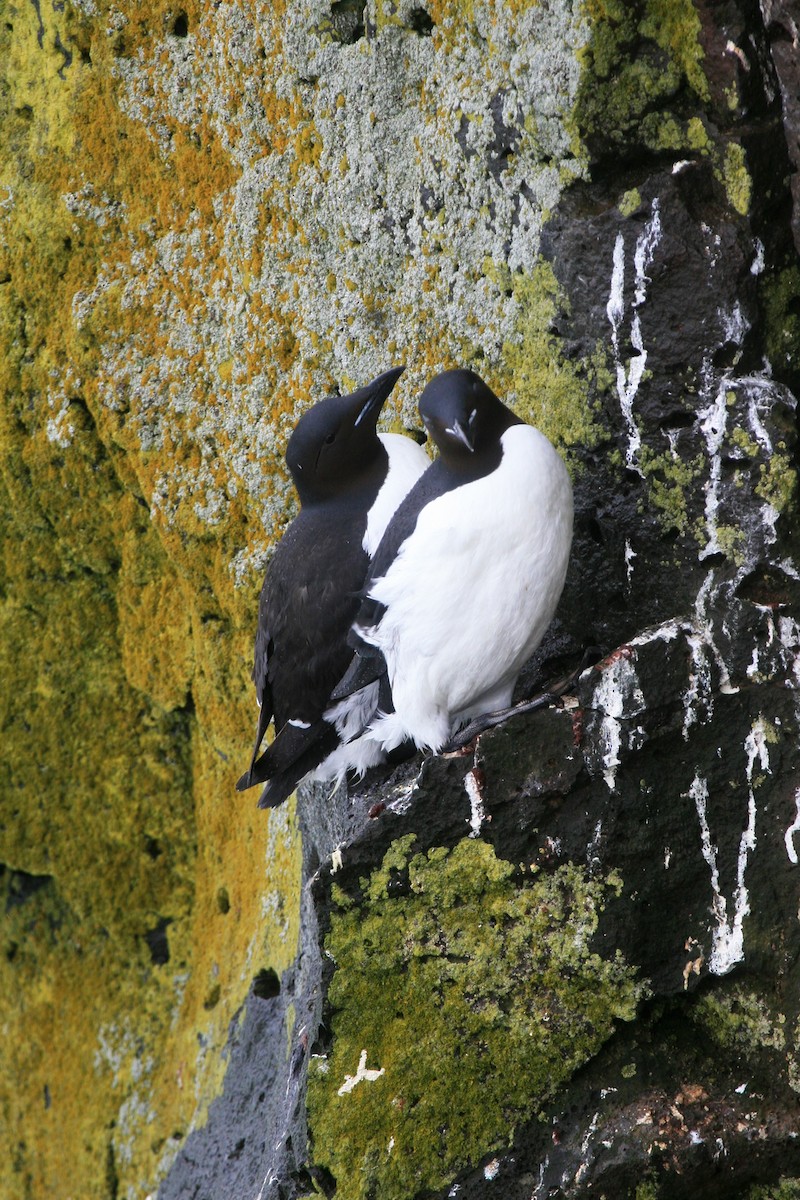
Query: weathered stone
(570, 955)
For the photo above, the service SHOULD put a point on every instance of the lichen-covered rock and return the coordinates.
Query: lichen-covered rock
(476, 992)
(565, 963)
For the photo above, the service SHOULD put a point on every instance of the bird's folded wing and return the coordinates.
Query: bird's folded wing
(366, 667)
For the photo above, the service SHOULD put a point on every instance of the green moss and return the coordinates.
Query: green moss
(674, 25)
(786, 1189)
(473, 994)
(646, 1191)
(738, 1020)
(662, 132)
(551, 392)
(641, 59)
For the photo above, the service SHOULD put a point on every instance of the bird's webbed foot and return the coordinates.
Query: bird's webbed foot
(465, 737)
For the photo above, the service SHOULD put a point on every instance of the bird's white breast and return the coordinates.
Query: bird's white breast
(407, 461)
(473, 590)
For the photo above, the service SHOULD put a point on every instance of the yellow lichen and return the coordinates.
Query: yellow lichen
(125, 645)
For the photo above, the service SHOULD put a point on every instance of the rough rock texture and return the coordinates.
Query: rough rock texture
(565, 963)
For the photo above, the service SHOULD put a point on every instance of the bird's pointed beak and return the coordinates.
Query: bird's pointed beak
(374, 394)
(458, 431)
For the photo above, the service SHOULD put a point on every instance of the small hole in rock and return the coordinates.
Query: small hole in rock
(158, 942)
(212, 999)
(266, 984)
(727, 355)
(679, 419)
(595, 530)
(766, 587)
(180, 26)
(420, 22)
(347, 19)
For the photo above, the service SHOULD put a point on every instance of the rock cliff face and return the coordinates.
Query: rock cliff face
(565, 963)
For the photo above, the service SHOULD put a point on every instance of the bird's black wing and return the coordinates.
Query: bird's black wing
(308, 602)
(290, 744)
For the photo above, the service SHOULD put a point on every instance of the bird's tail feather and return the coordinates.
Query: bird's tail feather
(294, 760)
(292, 743)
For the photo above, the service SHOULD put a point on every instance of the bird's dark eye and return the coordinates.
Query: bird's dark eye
(330, 439)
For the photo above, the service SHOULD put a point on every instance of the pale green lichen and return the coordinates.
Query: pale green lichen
(473, 992)
(551, 392)
(743, 440)
(630, 201)
(777, 482)
(669, 479)
(732, 96)
(697, 135)
(736, 177)
(730, 540)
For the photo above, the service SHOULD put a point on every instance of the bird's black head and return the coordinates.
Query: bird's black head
(464, 417)
(334, 448)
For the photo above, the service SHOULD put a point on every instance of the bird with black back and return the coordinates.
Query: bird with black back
(349, 480)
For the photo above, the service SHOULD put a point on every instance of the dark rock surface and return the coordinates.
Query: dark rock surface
(782, 20)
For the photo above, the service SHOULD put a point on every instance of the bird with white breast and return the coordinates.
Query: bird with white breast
(468, 574)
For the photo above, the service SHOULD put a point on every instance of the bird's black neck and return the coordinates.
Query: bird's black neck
(358, 495)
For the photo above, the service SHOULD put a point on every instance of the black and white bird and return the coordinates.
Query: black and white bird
(469, 572)
(349, 479)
